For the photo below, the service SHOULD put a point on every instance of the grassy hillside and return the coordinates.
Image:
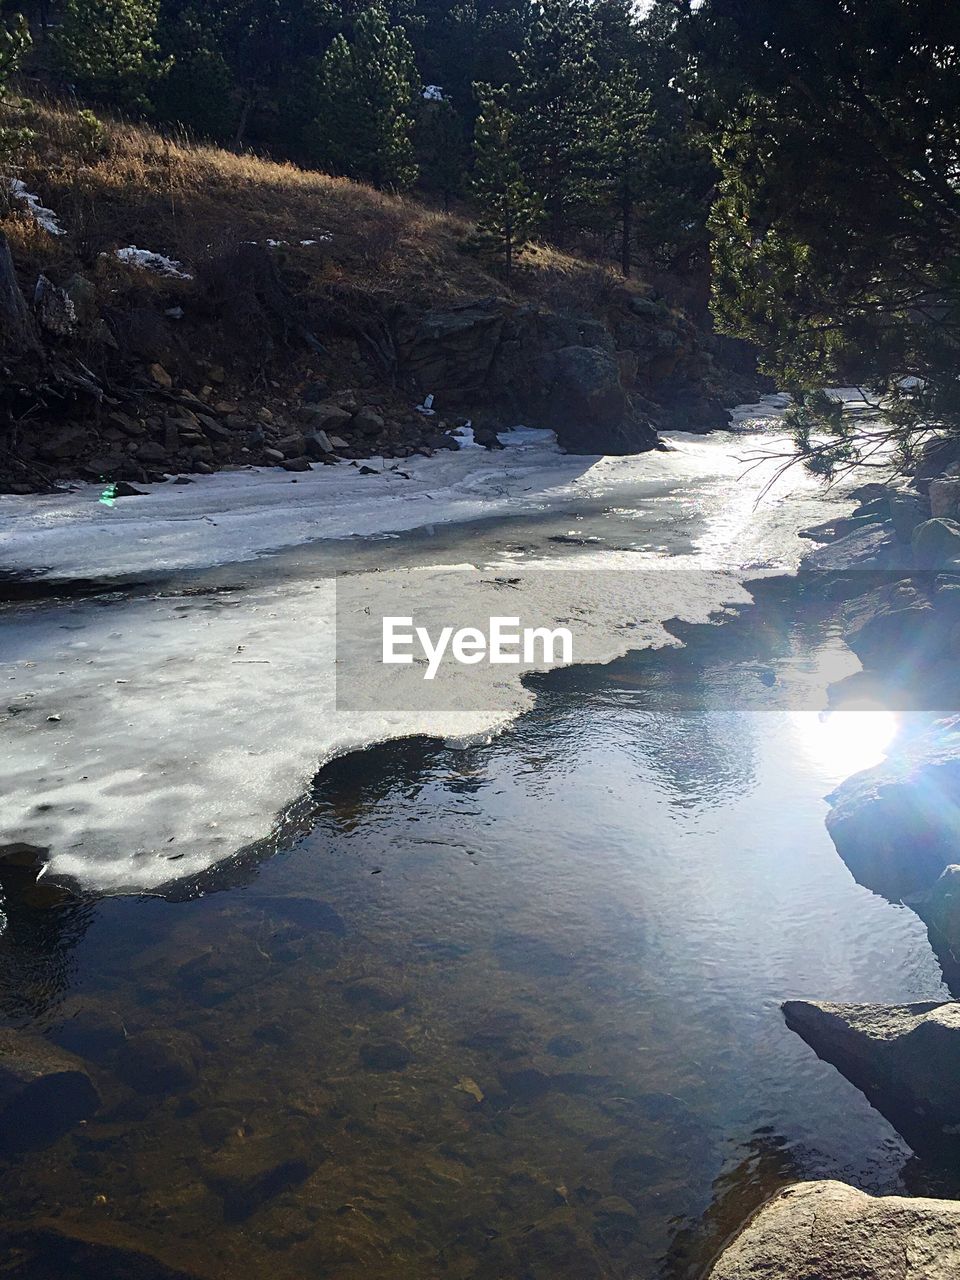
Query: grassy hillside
(125, 184)
(295, 288)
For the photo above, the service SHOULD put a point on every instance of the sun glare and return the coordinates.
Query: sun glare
(848, 739)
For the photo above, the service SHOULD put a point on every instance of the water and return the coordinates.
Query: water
(503, 1010)
(514, 1008)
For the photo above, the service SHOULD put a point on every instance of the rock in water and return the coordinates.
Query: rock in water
(905, 1058)
(161, 1061)
(44, 1092)
(897, 826)
(50, 1250)
(939, 909)
(829, 1231)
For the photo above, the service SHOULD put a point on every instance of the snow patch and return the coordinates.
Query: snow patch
(432, 93)
(44, 217)
(146, 260)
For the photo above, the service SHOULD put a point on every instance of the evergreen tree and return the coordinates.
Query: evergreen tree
(441, 149)
(108, 47)
(627, 123)
(837, 223)
(14, 42)
(556, 102)
(509, 210)
(680, 174)
(364, 129)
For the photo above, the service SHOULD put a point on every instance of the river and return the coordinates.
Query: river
(500, 1003)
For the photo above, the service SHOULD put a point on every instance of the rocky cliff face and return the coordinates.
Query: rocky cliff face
(604, 386)
(131, 388)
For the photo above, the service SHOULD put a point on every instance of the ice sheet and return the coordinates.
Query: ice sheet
(148, 737)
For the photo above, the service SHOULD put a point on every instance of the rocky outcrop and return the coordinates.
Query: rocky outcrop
(830, 1231)
(44, 1092)
(897, 826)
(905, 1058)
(601, 386)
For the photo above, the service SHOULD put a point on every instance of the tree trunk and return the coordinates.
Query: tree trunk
(626, 214)
(242, 122)
(16, 323)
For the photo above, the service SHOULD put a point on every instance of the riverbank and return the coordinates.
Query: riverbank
(265, 315)
(893, 563)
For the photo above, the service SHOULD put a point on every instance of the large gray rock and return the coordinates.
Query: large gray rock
(939, 909)
(905, 1058)
(936, 543)
(44, 1091)
(585, 398)
(896, 627)
(829, 1231)
(945, 498)
(542, 368)
(907, 509)
(897, 825)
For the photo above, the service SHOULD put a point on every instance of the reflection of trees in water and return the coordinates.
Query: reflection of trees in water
(42, 926)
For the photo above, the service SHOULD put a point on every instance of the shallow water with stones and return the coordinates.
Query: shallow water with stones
(503, 1011)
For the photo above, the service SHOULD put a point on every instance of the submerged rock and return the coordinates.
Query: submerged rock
(251, 1171)
(54, 1250)
(829, 1231)
(905, 1058)
(161, 1061)
(44, 1092)
(897, 825)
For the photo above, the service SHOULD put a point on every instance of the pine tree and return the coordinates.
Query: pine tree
(627, 121)
(556, 102)
(108, 47)
(441, 149)
(364, 129)
(14, 42)
(510, 211)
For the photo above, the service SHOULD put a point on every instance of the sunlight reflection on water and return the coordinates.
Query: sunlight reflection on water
(848, 740)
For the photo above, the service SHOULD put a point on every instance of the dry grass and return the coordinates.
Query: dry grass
(132, 185)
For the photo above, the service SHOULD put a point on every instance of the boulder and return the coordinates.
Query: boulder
(939, 908)
(44, 1091)
(292, 446)
(904, 1057)
(585, 401)
(368, 422)
(935, 543)
(54, 309)
(318, 445)
(895, 627)
(829, 1231)
(897, 825)
(945, 498)
(325, 416)
(907, 509)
